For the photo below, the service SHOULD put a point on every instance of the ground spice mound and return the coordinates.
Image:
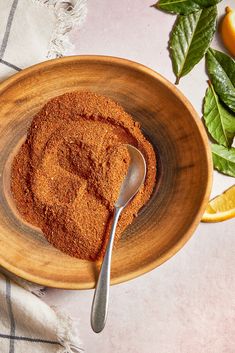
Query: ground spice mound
(66, 176)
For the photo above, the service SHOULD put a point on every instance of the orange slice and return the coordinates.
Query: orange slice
(221, 208)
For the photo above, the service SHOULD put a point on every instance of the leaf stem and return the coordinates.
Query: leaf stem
(177, 80)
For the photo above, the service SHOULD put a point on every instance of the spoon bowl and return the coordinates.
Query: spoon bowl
(134, 179)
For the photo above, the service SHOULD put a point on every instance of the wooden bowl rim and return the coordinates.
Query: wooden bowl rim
(187, 235)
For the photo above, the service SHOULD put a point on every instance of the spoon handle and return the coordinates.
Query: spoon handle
(101, 296)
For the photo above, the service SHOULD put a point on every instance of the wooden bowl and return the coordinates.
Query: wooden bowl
(184, 168)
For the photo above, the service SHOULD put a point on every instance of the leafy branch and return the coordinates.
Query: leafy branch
(189, 42)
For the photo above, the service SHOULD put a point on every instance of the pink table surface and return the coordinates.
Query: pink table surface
(188, 304)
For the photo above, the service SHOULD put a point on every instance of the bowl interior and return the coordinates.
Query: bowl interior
(183, 175)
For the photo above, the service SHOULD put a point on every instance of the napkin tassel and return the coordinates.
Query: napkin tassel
(67, 333)
(69, 14)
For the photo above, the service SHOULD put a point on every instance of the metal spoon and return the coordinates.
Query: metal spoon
(130, 186)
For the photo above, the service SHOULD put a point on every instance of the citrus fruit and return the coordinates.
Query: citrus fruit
(228, 30)
(221, 208)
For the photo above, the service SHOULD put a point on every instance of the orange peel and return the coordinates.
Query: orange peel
(221, 208)
(228, 30)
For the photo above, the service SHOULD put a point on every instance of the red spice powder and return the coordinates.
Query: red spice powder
(67, 175)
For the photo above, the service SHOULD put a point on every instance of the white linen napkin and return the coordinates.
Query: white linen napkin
(28, 325)
(32, 31)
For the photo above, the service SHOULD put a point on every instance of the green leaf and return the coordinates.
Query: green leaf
(224, 159)
(221, 70)
(191, 38)
(184, 7)
(220, 121)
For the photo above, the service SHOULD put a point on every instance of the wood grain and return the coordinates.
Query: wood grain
(184, 175)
